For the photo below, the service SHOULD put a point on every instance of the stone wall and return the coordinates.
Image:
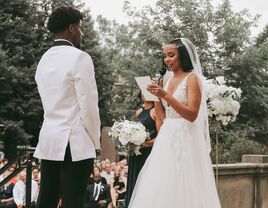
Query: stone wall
(244, 185)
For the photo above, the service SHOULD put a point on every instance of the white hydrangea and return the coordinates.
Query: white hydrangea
(222, 100)
(220, 80)
(128, 134)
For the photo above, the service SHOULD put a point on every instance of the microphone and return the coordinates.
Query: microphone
(161, 74)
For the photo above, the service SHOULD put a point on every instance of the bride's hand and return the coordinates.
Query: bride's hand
(156, 90)
(149, 143)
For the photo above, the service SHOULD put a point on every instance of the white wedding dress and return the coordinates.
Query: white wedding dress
(178, 173)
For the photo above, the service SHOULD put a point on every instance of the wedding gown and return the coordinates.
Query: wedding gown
(178, 173)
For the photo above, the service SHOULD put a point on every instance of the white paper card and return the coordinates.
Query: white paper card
(143, 82)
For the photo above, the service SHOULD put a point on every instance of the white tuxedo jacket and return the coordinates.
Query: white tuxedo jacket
(66, 83)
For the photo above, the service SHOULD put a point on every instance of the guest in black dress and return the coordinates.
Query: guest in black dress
(146, 115)
(118, 186)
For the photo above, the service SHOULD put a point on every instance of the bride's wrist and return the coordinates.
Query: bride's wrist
(165, 97)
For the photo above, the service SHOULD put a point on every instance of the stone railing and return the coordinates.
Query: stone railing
(244, 185)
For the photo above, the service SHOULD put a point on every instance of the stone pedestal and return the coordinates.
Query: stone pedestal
(108, 150)
(255, 159)
(244, 185)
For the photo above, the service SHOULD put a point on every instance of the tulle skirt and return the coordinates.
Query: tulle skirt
(178, 173)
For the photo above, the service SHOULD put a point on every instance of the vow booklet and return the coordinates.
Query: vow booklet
(143, 82)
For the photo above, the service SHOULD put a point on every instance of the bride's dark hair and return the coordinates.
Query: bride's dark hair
(184, 58)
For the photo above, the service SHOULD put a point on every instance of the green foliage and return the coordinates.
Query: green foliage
(21, 47)
(241, 147)
(232, 30)
(233, 144)
(262, 37)
(250, 73)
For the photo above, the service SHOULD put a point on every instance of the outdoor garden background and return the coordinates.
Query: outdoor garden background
(121, 52)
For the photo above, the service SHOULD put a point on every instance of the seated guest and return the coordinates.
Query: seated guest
(36, 175)
(97, 194)
(102, 165)
(6, 195)
(19, 191)
(118, 186)
(97, 170)
(11, 170)
(113, 166)
(107, 173)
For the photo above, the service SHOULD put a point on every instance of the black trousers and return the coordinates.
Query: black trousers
(64, 179)
(8, 205)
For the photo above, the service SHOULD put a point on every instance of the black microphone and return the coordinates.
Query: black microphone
(162, 72)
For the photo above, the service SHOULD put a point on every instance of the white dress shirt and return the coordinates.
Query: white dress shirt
(67, 87)
(107, 176)
(97, 189)
(19, 192)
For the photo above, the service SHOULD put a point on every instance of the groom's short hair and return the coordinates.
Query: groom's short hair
(62, 17)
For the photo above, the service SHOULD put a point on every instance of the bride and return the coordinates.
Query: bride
(178, 173)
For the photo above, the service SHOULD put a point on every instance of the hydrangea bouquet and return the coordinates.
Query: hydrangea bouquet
(222, 100)
(223, 106)
(128, 136)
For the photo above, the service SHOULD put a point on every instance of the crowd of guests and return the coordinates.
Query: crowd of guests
(106, 187)
(13, 193)
(107, 184)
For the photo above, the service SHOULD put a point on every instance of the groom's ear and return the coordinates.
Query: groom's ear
(71, 28)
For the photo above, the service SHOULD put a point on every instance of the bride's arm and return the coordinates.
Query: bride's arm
(160, 112)
(188, 111)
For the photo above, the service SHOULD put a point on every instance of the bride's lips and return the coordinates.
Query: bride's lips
(169, 66)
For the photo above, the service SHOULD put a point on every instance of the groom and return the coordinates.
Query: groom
(71, 129)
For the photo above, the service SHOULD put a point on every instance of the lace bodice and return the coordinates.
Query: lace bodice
(179, 94)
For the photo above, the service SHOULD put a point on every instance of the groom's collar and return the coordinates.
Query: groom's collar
(59, 42)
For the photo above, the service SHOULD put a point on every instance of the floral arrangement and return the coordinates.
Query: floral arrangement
(222, 100)
(128, 136)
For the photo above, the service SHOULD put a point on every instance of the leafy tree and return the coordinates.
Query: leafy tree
(251, 71)
(18, 51)
(262, 36)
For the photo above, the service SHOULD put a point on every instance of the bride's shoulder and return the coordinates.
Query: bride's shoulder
(192, 80)
(192, 76)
